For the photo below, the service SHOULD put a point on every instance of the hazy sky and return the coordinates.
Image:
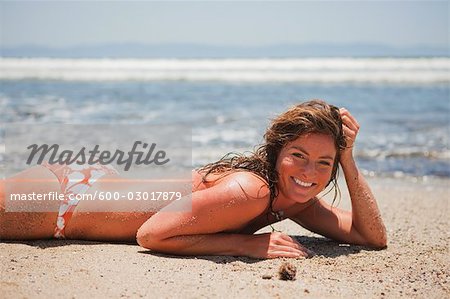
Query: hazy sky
(61, 24)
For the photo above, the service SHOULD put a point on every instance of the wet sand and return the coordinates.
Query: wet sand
(415, 264)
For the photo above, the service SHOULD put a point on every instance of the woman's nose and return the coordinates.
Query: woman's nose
(309, 170)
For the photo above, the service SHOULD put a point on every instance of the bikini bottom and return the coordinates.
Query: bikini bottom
(74, 180)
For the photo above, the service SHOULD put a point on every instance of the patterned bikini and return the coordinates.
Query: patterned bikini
(74, 179)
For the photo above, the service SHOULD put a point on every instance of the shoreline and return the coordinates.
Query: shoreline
(414, 265)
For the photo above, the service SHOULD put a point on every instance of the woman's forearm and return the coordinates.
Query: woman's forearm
(205, 244)
(365, 213)
(261, 246)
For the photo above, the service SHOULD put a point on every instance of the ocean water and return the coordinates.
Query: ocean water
(402, 105)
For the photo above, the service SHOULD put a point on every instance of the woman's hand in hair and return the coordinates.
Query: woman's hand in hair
(351, 127)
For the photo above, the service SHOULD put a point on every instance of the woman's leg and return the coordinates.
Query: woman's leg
(90, 220)
(32, 223)
(26, 223)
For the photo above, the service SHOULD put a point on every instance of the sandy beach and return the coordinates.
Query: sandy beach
(415, 264)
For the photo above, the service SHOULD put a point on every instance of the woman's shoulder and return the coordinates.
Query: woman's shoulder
(242, 181)
(250, 183)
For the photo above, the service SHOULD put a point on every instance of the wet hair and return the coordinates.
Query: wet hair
(315, 116)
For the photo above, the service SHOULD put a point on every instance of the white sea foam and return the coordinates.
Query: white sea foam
(206, 136)
(326, 70)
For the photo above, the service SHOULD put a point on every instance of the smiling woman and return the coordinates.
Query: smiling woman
(240, 194)
(231, 198)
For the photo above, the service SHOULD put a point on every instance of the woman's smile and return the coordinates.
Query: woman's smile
(301, 183)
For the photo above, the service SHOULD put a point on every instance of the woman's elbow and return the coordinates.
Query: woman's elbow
(379, 243)
(147, 239)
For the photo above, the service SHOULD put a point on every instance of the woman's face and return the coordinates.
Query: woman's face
(305, 166)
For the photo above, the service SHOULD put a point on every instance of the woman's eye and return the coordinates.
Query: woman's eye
(325, 163)
(298, 155)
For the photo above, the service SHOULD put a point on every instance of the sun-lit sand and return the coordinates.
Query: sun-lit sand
(415, 264)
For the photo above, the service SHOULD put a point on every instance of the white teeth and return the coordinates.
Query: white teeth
(303, 184)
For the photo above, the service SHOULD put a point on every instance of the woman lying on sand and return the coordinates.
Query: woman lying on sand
(231, 198)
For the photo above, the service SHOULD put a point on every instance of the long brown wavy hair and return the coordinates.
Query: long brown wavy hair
(315, 116)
